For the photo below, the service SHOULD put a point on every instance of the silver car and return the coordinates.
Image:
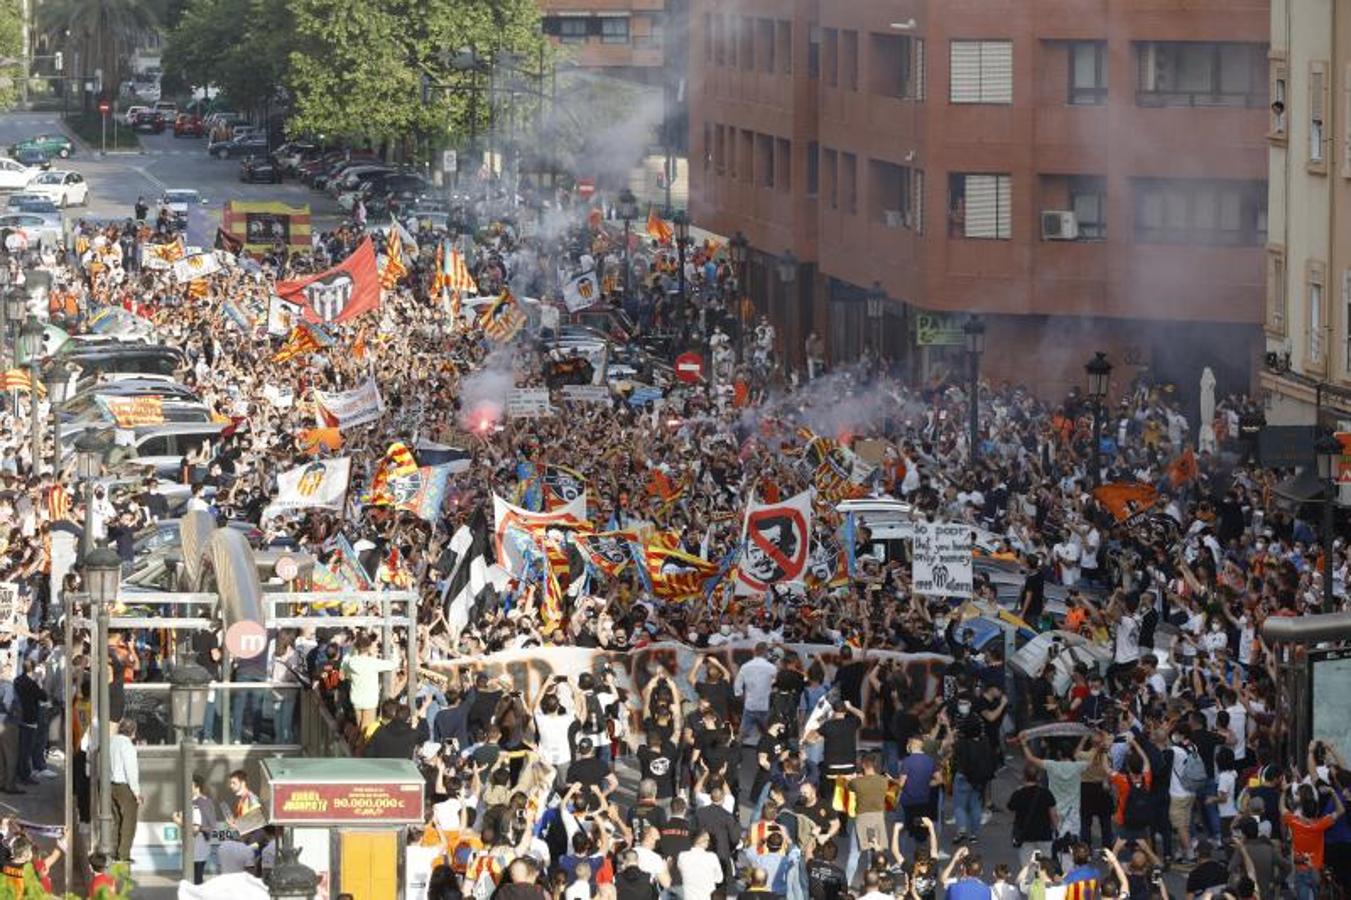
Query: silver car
(40, 229)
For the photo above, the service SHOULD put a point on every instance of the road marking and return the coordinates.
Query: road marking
(140, 170)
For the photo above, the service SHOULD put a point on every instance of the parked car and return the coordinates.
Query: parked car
(179, 201)
(61, 187)
(50, 144)
(127, 357)
(188, 125)
(14, 175)
(34, 158)
(164, 446)
(259, 169)
(37, 229)
(129, 117)
(148, 122)
(289, 155)
(21, 201)
(249, 146)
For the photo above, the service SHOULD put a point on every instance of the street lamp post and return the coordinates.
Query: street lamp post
(1099, 372)
(291, 879)
(90, 452)
(974, 329)
(626, 206)
(1328, 451)
(188, 686)
(57, 380)
(16, 307)
(102, 575)
(30, 349)
(681, 223)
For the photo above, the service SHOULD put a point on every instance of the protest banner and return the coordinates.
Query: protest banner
(321, 484)
(9, 606)
(348, 409)
(585, 393)
(132, 412)
(776, 538)
(529, 403)
(941, 561)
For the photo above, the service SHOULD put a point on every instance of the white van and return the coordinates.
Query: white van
(889, 522)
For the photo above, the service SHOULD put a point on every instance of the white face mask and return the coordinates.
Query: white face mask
(963, 708)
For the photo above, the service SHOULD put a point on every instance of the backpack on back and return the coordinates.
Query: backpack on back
(1193, 775)
(1139, 811)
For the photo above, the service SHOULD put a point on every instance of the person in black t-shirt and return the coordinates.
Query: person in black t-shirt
(825, 880)
(840, 733)
(769, 757)
(657, 762)
(1035, 820)
(677, 835)
(1032, 600)
(716, 688)
(589, 770)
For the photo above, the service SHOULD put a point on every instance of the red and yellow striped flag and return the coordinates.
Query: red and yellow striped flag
(18, 380)
(398, 462)
(657, 228)
(58, 503)
(303, 340)
(394, 270)
(197, 288)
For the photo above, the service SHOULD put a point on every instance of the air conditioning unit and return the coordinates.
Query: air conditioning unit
(1059, 225)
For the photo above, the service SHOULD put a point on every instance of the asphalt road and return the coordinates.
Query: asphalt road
(118, 179)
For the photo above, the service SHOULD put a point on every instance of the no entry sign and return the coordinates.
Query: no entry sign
(689, 367)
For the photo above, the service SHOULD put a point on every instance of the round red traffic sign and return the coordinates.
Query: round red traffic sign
(246, 639)
(104, 106)
(689, 367)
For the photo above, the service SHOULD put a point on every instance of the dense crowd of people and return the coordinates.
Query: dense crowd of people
(801, 742)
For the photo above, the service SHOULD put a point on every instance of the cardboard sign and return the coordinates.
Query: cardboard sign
(9, 606)
(585, 393)
(942, 560)
(529, 403)
(132, 412)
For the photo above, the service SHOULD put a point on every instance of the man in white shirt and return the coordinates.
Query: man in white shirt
(754, 681)
(126, 792)
(1126, 652)
(652, 862)
(700, 870)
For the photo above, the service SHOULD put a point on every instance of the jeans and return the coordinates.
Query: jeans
(967, 806)
(756, 719)
(27, 738)
(283, 717)
(248, 703)
(1306, 884)
(891, 758)
(1210, 812)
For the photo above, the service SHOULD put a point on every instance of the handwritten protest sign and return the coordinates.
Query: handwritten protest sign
(942, 560)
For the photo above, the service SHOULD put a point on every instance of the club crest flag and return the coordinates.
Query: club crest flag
(398, 465)
(1126, 500)
(510, 555)
(348, 409)
(132, 412)
(608, 551)
(198, 265)
(582, 291)
(394, 269)
(340, 294)
(321, 484)
(503, 320)
(776, 541)
(160, 257)
(424, 492)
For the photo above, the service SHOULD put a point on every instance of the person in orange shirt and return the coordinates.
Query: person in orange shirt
(1306, 834)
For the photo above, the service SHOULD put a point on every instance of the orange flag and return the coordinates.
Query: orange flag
(312, 440)
(658, 229)
(1125, 499)
(1183, 469)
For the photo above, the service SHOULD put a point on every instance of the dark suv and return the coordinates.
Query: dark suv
(148, 122)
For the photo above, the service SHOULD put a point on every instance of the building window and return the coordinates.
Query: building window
(765, 47)
(709, 40)
(764, 160)
(917, 200)
(892, 66)
(814, 52)
(708, 146)
(572, 29)
(981, 71)
(980, 206)
(849, 60)
(830, 49)
(1276, 306)
(1200, 211)
(890, 194)
(830, 162)
(1088, 200)
(783, 40)
(1279, 85)
(813, 168)
(1318, 105)
(746, 55)
(1194, 73)
(783, 164)
(614, 29)
(1088, 73)
(1316, 324)
(746, 166)
(850, 183)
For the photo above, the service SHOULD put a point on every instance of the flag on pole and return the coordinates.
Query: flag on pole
(304, 340)
(657, 228)
(18, 380)
(398, 463)
(394, 269)
(503, 320)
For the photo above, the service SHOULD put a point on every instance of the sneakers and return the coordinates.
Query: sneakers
(985, 817)
(47, 773)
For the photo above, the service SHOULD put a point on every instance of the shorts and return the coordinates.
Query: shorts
(1180, 814)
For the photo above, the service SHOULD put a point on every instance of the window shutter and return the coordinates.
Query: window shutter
(1318, 133)
(982, 206)
(917, 200)
(964, 70)
(996, 72)
(1346, 121)
(917, 66)
(1004, 198)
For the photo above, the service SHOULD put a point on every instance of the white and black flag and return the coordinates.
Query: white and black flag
(469, 587)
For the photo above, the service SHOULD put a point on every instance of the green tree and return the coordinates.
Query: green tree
(241, 47)
(364, 67)
(103, 32)
(11, 45)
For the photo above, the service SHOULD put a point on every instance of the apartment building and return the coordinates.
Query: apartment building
(1308, 253)
(1085, 174)
(624, 38)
